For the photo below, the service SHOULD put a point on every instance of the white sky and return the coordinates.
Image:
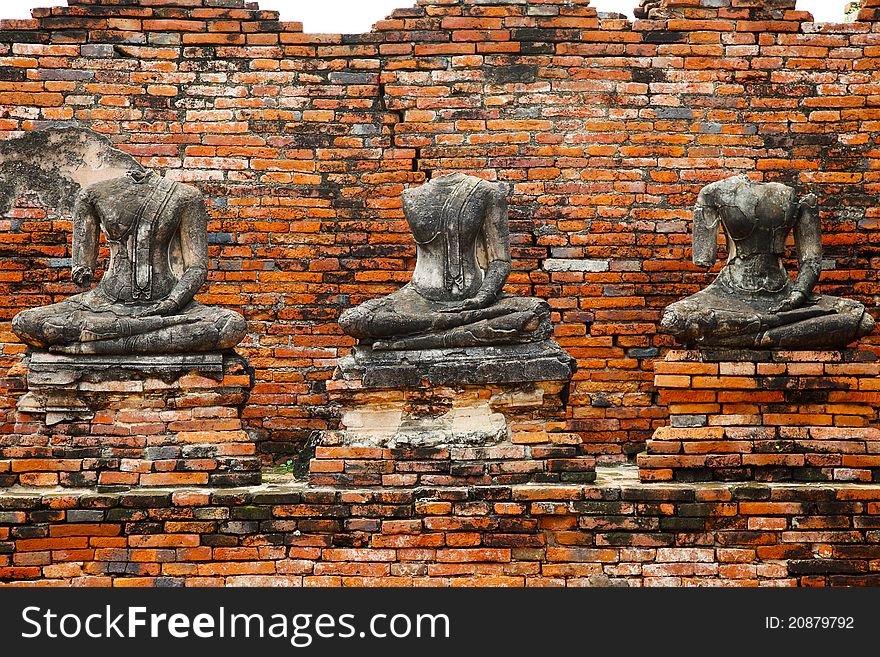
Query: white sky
(351, 16)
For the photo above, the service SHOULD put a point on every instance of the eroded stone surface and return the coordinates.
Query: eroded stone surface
(467, 416)
(54, 165)
(116, 423)
(753, 303)
(76, 387)
(467, 422)
(460, 226)
(157, 232)
(537, 361)
(44, 362)
(462, 435)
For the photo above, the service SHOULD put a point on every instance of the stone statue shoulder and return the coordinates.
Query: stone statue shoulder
(100, 189)
(187, 191)
(483, 196)
(499, 190)
(492, 190)
(187, 194)
(182, 191)
(492, 194)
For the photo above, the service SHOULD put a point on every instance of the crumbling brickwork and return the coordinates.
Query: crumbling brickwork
(166, 429)
(613, 533)
(303, 143)
(770, 416)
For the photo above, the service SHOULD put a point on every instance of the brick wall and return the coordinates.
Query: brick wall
(607, 130)
(614, 533)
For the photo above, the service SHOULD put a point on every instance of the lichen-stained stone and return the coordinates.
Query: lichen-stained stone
(55, 165)
(535, 361)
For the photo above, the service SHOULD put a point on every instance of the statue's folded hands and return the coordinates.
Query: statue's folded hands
(796, 299)
(166, 307)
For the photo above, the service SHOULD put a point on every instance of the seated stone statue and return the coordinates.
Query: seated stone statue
(754, 303)
(454, 299)
(157, 233)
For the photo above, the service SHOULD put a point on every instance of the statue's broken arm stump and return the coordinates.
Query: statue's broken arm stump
(475, 416)
(768, 416)
(118, 422)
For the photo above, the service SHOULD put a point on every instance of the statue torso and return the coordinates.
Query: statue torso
(140, 220)
(757, 219)
(446, 217)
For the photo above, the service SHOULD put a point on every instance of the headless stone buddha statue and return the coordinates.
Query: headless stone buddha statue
(754, 303)
(454, 299)
(157, 233)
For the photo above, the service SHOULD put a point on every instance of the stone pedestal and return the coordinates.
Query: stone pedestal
(766, 416)
(440, 417)
(120, 422)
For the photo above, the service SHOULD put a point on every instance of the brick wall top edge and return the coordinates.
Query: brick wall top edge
(753, 9)
(236, 16)
(870, 11)
(648, 6)
(293, 33)
(226, 4)
(166, 12)
(553, 3)
(229, 10)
